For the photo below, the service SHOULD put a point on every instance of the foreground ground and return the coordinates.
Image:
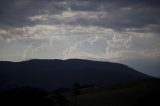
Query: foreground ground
(137, 93)
(140, 93)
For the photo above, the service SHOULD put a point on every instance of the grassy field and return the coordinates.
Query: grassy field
(139, 93)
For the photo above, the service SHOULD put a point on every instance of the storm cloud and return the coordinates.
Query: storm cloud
(119, 15)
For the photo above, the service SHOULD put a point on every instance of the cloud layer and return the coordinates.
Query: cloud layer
(111, 30)
(118, 15)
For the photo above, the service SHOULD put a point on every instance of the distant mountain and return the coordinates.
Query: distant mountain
(53, 74)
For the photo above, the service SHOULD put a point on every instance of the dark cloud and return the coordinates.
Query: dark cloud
(123, 14)
(120, 15)
(13, 13)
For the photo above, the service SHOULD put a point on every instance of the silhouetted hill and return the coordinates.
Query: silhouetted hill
(53, 74)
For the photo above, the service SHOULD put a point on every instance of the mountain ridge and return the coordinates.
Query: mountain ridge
(53, 74)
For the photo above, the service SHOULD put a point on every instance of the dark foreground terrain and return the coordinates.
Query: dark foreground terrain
(75, 82)
(135, 93)
(140, 93)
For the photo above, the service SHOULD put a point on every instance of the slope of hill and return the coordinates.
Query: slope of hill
(138, 93)
(53, 74)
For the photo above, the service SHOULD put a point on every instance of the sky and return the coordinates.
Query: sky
(123, 31)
